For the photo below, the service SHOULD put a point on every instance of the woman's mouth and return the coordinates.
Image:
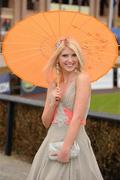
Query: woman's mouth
(69, 65)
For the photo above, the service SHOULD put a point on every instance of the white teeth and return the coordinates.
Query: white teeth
(69, 64)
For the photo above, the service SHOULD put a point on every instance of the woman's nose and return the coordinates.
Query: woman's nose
(70, 58)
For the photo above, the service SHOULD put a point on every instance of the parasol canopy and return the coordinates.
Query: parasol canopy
(29, 45)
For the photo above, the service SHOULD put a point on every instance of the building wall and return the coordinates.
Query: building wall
(21, 11)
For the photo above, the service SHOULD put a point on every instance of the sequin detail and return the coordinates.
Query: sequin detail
(64, 112)
(65, 117)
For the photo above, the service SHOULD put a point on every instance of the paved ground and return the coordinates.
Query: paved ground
(11, 168)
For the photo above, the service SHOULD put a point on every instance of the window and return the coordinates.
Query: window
(81, 2)
(31, 4)
(4, 3)
(74, 2)
(103, 5)
(61, 1)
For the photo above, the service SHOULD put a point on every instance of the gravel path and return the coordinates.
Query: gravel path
(13, 169)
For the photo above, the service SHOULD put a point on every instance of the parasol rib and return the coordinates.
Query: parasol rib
(36, 22)
(19, 59)
(54, 35)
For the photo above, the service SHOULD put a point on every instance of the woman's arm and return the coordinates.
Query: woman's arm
(50, 105)
(83, 92)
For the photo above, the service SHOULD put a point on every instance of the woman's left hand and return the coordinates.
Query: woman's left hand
(63, 156)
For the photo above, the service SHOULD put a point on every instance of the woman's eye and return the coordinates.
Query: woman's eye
(64, 55)
(74, 55)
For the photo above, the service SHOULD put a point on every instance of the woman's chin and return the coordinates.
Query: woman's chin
(69, 70)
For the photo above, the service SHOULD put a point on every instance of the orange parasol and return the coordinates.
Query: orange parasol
(30, 43)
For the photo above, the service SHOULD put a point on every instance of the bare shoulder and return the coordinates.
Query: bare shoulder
(83, 77)
(83, 83)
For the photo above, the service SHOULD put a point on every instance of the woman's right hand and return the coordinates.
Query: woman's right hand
(58, 94)
(55, 96)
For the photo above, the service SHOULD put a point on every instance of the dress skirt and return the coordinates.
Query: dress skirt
(83, 167)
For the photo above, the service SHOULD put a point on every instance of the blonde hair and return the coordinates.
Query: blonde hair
(50, 68)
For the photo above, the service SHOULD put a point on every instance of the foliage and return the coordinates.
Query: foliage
(109, 102)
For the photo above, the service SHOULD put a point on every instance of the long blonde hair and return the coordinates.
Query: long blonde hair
(50, 68)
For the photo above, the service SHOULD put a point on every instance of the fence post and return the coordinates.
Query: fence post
(9, 128)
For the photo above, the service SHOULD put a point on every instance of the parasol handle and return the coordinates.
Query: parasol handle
(58, 74)
(58, 83)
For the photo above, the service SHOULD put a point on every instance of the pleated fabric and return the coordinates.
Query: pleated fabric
(84, 167)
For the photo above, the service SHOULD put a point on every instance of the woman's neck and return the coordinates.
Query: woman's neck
(68, 77)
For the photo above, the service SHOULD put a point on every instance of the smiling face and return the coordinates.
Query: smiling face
(68, 60)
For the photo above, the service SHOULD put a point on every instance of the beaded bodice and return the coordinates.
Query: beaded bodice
(64, 111)
(69, 97)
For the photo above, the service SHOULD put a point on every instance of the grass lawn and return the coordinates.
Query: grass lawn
(108, 102)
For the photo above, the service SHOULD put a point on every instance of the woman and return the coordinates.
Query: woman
(65, 112)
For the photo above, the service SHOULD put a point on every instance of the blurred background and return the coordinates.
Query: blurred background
(12, 11)
(21, 103)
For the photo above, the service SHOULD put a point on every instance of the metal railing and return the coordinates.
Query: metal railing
(12, 100)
